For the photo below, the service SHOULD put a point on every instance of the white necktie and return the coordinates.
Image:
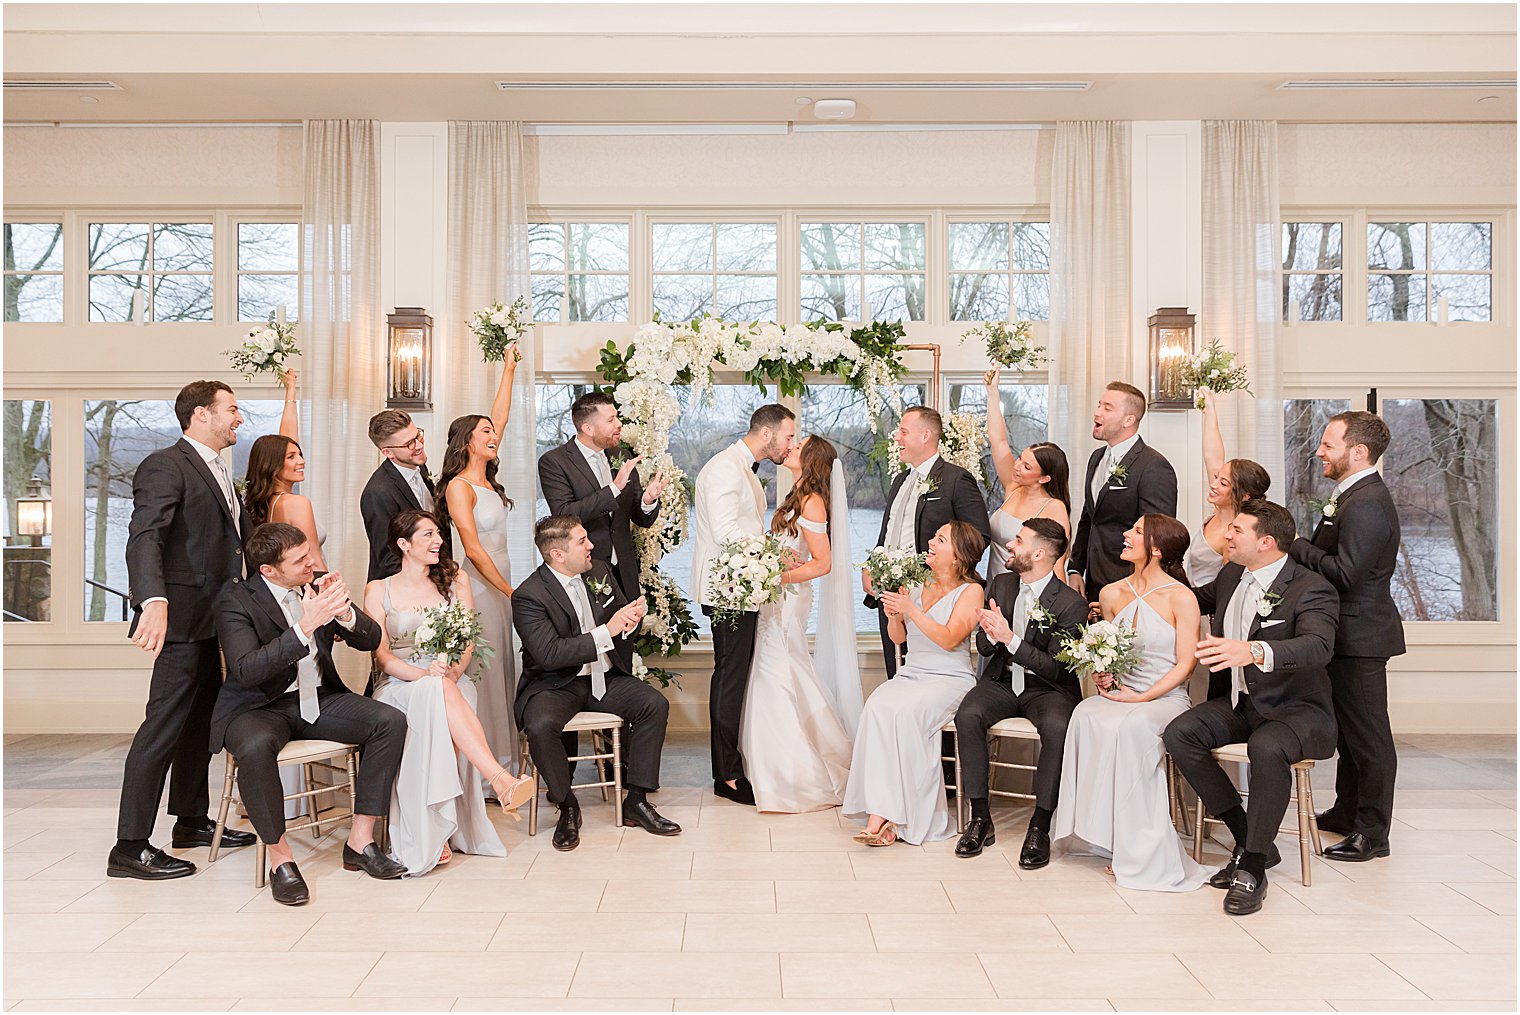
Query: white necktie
(1100, 478)
(419, 489)
(307, 675)
(603, 470)
(902, 525)
(1019, 623)
(588, 624)
(1238, 627)
(229, 492)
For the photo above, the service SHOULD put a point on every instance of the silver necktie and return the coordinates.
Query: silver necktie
(1019, 623)
(229, 492)
(1100, 478)
(588, 624)
(1238, 624)
(307, 675)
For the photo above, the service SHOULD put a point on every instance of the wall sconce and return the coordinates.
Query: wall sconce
(1171, 344)
(34, 512)
(410, 359)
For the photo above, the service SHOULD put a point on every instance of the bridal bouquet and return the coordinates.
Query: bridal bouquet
(746, 574)
(265, 349)
(893, 569)
(963, 440)
(1102, 647)
(1214, 370)
(1007, 345)
(447, 632)
(499, 327)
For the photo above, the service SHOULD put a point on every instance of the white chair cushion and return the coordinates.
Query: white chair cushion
(302, 751)
(1015, 728)
(592, 721)
(1240, 753)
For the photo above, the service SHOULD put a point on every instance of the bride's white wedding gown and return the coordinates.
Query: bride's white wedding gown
(796, 751)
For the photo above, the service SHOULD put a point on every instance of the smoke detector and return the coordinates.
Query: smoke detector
(834, 109)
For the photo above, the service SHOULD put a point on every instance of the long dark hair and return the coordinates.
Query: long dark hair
(817, 457)
(455, 457)
(442, 573)
(968, 545)
(265, 460)
(1167, 534)
(1052, 462)
(1248, 481)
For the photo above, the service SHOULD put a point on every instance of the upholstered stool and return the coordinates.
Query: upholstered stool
(606, 745)
(1308, 828)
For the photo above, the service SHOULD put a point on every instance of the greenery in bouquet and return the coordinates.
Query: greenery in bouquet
(447, 632)
(1009, 345)
(1105, 646)
(745, 575)
(265, 349)
(894, 569)
(499, 327)
(666, 627)
(963, 440)
(1214, 370)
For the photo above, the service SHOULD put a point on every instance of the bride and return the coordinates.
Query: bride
(798, 720)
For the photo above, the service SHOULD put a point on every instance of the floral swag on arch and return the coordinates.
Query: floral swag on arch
(868, 358)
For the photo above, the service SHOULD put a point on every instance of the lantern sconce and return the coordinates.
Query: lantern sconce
(410, 359)
(34, 512)
(1171, 331)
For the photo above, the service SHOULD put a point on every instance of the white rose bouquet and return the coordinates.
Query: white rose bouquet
(447, 632)
(1007, 345)
(1102, 647)
(745, 575)
(893, 569)
(1214, 370)
(499, 327)
(963, 440)
(265, 349)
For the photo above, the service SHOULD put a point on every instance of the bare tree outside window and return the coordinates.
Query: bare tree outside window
(170, 263)
(1026, 411)
(1410, 265)
(119, 434)
(579, 271)
(34, 272)
(28, 475)
(848, 266)
(269, 266)
(724, 268)
(999, 269)
(1312, 270)
(1304, 489)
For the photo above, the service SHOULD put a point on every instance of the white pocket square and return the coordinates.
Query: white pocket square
(1118, 488)
(1269, 623)
(931, 498)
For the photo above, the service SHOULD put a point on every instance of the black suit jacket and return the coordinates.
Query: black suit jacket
(385, 496)
(571, 488)
(1301, 631)
(553, 647)
(1037, 649)
(1149, 487)
(1357, 551)
(182, 543)
(955, 497)
(262, 649)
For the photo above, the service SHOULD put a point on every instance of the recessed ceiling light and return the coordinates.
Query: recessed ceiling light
(88, 98)
(803, 100)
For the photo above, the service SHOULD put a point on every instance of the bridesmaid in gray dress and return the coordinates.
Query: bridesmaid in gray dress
(1231, 483)
(1034, 483)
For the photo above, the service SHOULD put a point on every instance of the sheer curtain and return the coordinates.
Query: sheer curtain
(344, 338)
(488, 261)
(1242, 238)
(1090, 336)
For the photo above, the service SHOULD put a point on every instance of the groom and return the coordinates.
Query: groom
(730, 504)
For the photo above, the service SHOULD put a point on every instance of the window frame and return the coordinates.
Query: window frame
(233, 283)
(1430, 272)
(218, 257)
(926, 219)
(61, 272)
(1344, 271)
(1022, 216)
(649, 220)
(638, 266)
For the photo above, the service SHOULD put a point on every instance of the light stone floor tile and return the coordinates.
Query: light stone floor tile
(20, 865)
(903, 865)
(1053, 974)
(1299, 976)
(1034, 897)
(768, 866)
(883, 976)
(38, 975)
(184, 895)
(472, 868)
(1488, 934)
(422, 932)
(20, 837)
(731, 817)
(224, 932)
(861, 897)
(1444, 842)
(1000, 1004)
(1423, 1006)
(532, 932)
(430, 974)
(1494, 898)
(1458, 977)
(687, 974)
(45, 896)
(440, 1003)
(615, 867)
(62, 932)
(1396, 899)
(1459, 818)
(1503, 861)
(778, 932)
(959, 932)
(560, 1004)
(127, 1004)
(1330, 935)
(545, 896)
(1172, 1004)
(351, 892)
(816, 839)
(1440, 799)
(689, 897)
(1145, 933)
(1502, 797)
(1424, 867)
(301, 974)
(780, 1004)
(696, 840)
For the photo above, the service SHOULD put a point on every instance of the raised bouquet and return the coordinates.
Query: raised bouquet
(447, 632)
(745, 575)
(1102, 647)
(1214, 370)
(893, 569)
(963, 440)
(265, 349)
(1008, 345)
(499, 327)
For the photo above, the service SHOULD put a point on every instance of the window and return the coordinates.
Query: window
(28, 478)
(999, 270)
(170, 263)
(118, 434)
(580, 271)
(1442, 469)
(268, 265)
(847, 266)
(1026, 412)
(723, 268)
(1412, 265)
(1304, 489)
(34, 271)
(1312, 270)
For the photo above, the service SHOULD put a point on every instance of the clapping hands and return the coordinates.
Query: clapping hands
(627, 620)
(320, 606)
(994, 624)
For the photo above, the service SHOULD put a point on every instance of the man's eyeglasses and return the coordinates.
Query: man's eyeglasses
(415, 444)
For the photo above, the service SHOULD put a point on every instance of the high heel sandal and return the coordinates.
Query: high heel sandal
(518, 793)
(445, 856)
(886, 835)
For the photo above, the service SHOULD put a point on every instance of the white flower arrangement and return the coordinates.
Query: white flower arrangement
(1331, 506)
(745, 575)
(1040, 617)
(447, 632)
(1103, 647)
(894, 569)
(1008, 345)
(1214, 370)
(963, 440)
(1268, 602)
(499, 327)
(265, 349)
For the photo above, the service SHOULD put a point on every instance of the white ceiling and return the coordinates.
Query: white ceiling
(750, 63)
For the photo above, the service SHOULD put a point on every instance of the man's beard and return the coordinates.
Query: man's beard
(1020, 565)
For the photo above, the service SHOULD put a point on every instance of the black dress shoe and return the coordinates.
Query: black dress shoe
(1225, 876)
(1356, 848)
(287, 887)
(979, 832)
(1329, 821)
(372, 862)
(189, 838)
(1036, 851)
(567, 832)
(575, 810)
(743, 793)
(1245, 894)
(643, 815)
(149, 865)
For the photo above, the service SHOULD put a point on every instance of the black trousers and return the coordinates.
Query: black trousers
(1272, 746)
(256, 737)
(992, 701)
(643, 709)
(1368, 761)
(174, 740)
(733, 654)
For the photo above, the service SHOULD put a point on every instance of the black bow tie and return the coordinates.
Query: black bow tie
(755, 468)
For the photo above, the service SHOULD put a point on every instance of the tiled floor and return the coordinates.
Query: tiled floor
(755, 912)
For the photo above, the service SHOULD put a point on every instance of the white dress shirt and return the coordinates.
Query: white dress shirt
(1113, 456)
(579, 595)
(413, 477)
(1355, 477)
(1028, 595)
(901, 530)
(306, 668)
(1239, 614)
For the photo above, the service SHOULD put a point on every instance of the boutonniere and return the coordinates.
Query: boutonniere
(1040, 617)
(1267, 603)
(1117, 474)
(1331, 506)
(601, 587)
(926, 486)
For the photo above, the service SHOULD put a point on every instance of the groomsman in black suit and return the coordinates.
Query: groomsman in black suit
(929, 493)
(1126, 478)
(183, 544)
(277, 630)
(401, 483)
(1356, 547)
(575, 627)
(578, 480)
(1272, 630)
(1029, 610)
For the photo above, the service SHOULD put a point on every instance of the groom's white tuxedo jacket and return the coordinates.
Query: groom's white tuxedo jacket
(730, 503)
